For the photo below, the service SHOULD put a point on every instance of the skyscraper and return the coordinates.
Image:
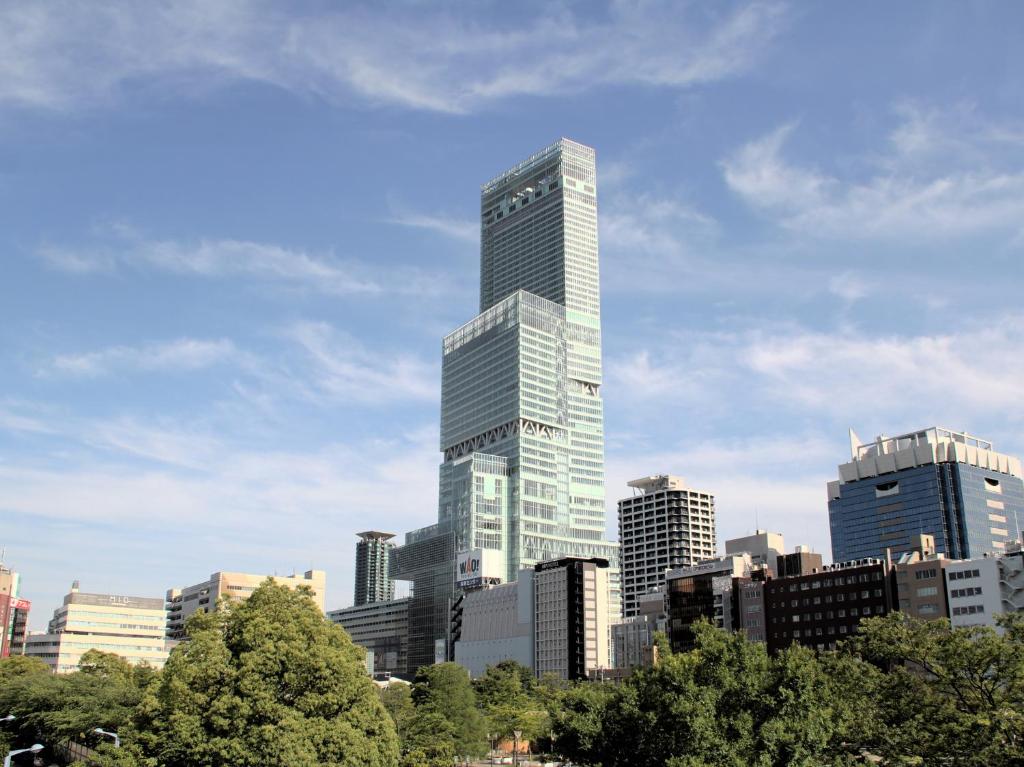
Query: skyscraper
(373, 582)
(936, 482)
(522, 421)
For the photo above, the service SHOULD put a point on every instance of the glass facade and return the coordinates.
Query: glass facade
(970, 510)
(521, 382)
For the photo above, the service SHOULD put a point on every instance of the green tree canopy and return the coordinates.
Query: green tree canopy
(268, 681)
(445, 689)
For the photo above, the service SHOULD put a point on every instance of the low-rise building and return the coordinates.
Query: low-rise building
(182, 602)
(705, 591)
(822, 608)
(382, 629)
(980, 589)
(13, 613)
(132, 627)
(497, 624)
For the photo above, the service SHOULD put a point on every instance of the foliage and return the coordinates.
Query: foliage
(55, 708)
(267, 681)
(941, 695)
(509, 697)
(444, 689)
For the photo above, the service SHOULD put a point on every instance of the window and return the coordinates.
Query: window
(923, 574)
(882, 489)
(927, 591)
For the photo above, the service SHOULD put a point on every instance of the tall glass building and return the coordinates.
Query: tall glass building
(936, 482)
(522, 420)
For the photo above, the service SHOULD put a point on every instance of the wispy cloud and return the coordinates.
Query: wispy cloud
(463, 230)
(121, 247)
(343, 369)
(180, 355)
(946, 376)
(934, 182)
(60, 55)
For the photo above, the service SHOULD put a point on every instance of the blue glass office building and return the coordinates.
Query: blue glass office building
(936, 481)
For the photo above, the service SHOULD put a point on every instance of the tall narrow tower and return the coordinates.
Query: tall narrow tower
(373, 581)
(522, 421)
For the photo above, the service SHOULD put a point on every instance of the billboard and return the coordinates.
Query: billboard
(474, 566)
(469, 568)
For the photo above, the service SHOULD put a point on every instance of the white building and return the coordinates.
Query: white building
(664, 525)
(497, 625)
(132, 627)
(763, 546)
(980, 589)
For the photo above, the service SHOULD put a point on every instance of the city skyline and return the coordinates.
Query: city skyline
(224, 272)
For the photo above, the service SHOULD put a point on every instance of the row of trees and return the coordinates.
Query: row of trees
(271, 681)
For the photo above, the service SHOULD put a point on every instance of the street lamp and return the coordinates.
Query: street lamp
(11, 754)
(114, 735)
(516, 734)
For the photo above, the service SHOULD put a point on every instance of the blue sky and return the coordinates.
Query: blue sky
(232, 236)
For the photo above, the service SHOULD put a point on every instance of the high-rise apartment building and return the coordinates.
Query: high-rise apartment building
(665, 525)
(522, 420)
(132, 627)
(938, 482)
(373, 581)
(203, 597)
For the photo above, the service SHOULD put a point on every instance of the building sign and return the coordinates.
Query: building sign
(469, 568)
(475, 567)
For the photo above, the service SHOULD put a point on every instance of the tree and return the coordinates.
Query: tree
(444, 689)
(54, 708)
(725, 703)
(267, 681)
(941, 695)
(507, 694)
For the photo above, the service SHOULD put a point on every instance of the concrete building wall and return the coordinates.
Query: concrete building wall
(975, 597)
(763, 546)
(182, 602)
(497, 625)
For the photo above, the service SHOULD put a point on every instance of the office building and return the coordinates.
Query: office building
(704, 590)
(13, 613)
(373, 582)
(571, 618)
(751, 613)
(427, 561)
(663, 526)
(800, 561)
(981, 589)
(938, 482)
(522, 423)
(921, 581)
(763, 547)
(822, 608)
(497, 623)
(132, 627)
(382, 629)
(183, 602)
(633, 638)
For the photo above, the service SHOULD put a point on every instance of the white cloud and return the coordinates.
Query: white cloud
(344, 370)
(180, 355)
(935, 183)
(122, 247)
(454, 228)
(965, 376)
(59, 55)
